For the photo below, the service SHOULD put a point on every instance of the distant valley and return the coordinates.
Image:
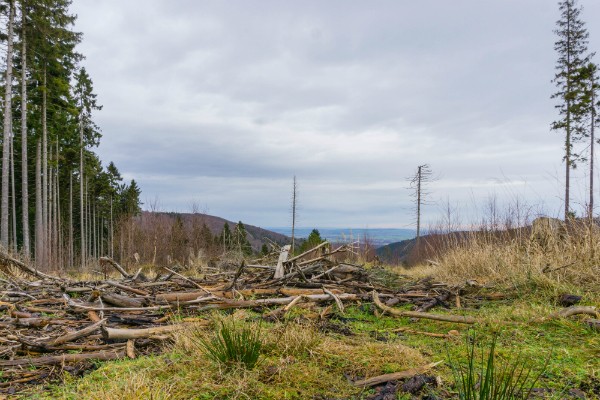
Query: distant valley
(378, 237)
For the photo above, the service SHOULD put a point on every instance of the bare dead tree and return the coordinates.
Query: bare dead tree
(294, 200)
(418, 183)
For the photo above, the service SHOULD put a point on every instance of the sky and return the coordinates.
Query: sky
(214, 106)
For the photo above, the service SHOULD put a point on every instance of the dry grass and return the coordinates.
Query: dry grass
(569, 263)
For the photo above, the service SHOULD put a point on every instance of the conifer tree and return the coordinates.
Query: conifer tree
(572, 50)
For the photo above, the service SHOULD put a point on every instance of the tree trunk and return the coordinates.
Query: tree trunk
(7, 131)
(294, 193)
(49, 237)
(46, 216)
(13, 193)
(81, 204)
(24, 172)
(70, 219)
(39, 213)
(592, 140)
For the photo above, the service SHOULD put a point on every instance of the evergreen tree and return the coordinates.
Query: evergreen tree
(589, 80)
(240, 239)
(571, 47)
(313, 240)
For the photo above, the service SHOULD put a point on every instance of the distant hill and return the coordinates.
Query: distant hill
(395, 253)
(256, 235)
(375, 236)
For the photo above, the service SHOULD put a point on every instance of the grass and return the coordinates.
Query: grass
(490, 379)
(303, 357)
(233, 344)
(300, 360)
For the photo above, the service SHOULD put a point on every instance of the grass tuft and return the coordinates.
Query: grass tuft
(233, 344)
(491, 378)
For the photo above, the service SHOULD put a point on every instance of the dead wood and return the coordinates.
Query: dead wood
(415, 314)
(121, 301)
(77, 334)
(376, 380)
(115, 265)
(280, 270)
(63, 359)
(127, 288)
(7, 260)
(128, 334)
(567, 312)
(130, 348)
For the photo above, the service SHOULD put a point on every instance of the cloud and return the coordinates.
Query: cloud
(223, 102)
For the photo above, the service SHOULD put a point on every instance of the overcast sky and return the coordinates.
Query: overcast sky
(221, 103)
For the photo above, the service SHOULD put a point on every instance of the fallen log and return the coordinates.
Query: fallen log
(128, 334)
(570, 311)
(188, 296)
(415, 314)
(120, 300)
(62, 359)
(127, 288)
(271, 302)
(115, 265)
(77, 334)
(376, 380)
(7, 259)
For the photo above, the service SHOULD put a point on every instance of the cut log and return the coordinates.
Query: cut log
(128, 334)
(120, 300)
(376, 380)
(62, 359)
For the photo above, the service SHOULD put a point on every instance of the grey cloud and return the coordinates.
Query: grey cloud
(225, 101)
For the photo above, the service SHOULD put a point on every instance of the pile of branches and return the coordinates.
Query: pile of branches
(56, 324)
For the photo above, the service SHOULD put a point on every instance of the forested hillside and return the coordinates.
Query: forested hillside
(60, 204)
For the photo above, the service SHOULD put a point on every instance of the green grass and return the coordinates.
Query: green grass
(300, 360)
(490, 377)
(233, 343)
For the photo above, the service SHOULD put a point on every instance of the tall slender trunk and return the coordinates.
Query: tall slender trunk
(13, 193)
(112, 233)
(70, 219)
(294, 193)
(94, 234)
(419, 176)
(568, 127)
(39, 213)
(7, 131)
(81, 203)
(592, 140)
(48, 227)
(45, 209)
(24, 172)
(55, 221)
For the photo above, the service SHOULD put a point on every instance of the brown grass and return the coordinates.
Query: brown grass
(567, 263)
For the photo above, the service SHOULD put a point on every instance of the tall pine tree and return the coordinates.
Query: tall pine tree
(572, 50)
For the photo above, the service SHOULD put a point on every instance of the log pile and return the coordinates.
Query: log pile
(56, 324)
